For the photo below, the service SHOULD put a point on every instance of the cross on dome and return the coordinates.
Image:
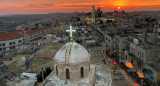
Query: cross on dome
(71, 31)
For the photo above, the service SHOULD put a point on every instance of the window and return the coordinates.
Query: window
(0, 45)
(4, 48)
(140, 65)
(13, 47)
(0, 49)
(10, 43)
(13, 43)
(56, 70)
(67, 74)
(20, 41)
(3, 44)
(132, 61)
(82, 72)
(126, 57)
(158, 39)
(158, 33)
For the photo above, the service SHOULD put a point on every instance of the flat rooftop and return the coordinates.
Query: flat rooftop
(149, 46)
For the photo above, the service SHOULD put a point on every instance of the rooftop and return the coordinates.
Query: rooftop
(19, 33)
(72, 52)
(10, 35)
(38, 29)
(149, 46)
(144, 45)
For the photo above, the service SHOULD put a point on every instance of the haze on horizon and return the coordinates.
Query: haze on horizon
(9, 7)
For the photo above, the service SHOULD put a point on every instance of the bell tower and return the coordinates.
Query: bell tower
(93, 14)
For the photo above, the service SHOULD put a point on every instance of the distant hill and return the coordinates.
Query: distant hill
(8, 22)
(40, 15)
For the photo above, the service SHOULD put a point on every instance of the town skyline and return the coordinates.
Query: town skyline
(10, 7)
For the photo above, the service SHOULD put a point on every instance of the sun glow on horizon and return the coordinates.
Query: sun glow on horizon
(119, 7)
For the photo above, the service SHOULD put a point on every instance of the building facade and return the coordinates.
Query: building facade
(11, 40)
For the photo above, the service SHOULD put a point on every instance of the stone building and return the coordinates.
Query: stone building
(109, 39)
(72, 66)
(11, 40)
(119, 45)
(72, 61)
(143, 56)
(37, 33)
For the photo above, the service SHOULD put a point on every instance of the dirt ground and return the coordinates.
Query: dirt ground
(49, 51)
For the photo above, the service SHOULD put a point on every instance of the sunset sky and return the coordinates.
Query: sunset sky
(8, 7)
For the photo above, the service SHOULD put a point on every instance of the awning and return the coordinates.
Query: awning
(140, 74)
(128, 64)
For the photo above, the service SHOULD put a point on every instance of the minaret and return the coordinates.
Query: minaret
(158, 31)
(93, 14)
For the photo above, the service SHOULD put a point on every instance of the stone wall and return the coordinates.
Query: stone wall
(152, 56)
(74, 70)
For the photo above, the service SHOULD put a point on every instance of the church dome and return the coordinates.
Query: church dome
(72, 52)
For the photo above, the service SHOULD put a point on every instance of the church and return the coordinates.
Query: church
(71, 66)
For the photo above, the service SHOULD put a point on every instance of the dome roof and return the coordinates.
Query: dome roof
(72, 52)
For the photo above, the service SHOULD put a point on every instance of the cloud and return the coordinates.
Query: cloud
(76, 6)
(39, 6)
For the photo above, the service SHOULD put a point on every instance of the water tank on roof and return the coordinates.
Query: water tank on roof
(135, 41)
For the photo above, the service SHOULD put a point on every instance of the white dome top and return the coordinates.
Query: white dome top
(72, 52)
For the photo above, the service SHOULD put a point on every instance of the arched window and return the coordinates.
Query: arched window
(67, 74)
(56, 70)
(82, 72)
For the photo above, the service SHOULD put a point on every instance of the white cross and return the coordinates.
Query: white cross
(70, 31)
